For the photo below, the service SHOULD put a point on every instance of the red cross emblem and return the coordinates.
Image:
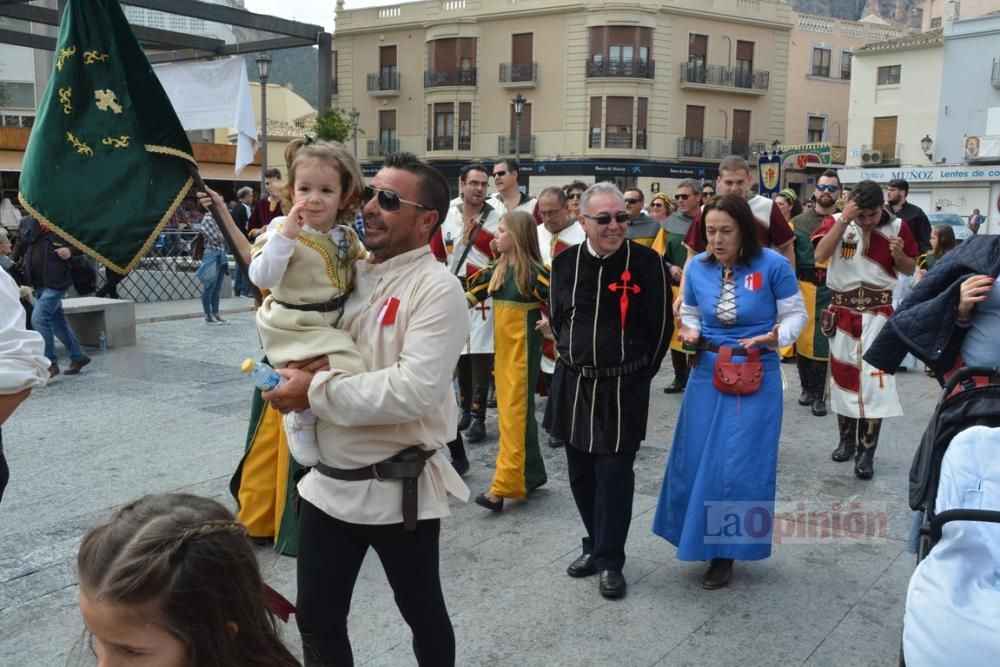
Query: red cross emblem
(880, 375)
(625, 286)
(482, 308)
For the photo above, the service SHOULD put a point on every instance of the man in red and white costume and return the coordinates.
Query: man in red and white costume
(508, 197)
(868, 247)
(463, 242)
(556, 233)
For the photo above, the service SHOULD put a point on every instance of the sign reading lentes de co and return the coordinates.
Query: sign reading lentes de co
(923, 174)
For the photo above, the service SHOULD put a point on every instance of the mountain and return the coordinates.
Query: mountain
(904, 11)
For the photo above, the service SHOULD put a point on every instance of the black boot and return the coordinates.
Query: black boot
(491, 400)
(818, 378)
(464, 393)
(867, 442)
(805, 380)
(458, 458)
(465, 419)
(477, 429)
(848, 439)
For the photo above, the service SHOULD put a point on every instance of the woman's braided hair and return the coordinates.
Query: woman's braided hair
(189, 555)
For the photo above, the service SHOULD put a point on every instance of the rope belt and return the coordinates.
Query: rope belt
(862, 298)
(336, 303)
(405, 466)
(609, 371)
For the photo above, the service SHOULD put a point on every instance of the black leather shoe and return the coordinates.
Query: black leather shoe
(864, 467)
(464, 420)
(483, 501)
(805, 398)
(843, 452)
(674, 388)
(461, 466)
(720, 571)
(476, 432)
(582, 567)
(556, 442)
(819, 408)
(612, 584)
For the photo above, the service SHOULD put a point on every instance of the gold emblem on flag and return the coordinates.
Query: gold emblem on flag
(81, 148)
(107, 100)
(91, 57)
(64, 99)
(63, 55)
(116, 142)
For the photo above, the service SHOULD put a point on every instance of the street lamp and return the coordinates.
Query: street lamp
(263, 72)
(926, 144)
(355, 115)
(518, 103)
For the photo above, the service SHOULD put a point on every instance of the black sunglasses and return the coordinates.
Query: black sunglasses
(680, 197)
(708, 193)
(605, 219)
(574, 195)
(499, 174)
(632, 201)
(827, 188)
(387, 199)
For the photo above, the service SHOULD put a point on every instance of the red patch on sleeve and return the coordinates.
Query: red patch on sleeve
(387, 311)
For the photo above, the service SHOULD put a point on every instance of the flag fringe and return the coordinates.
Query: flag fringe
(90, 252)
(167, 150)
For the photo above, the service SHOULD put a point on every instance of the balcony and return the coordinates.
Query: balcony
(383, 85)
(620, 67)
(518, 75)
(724, 79)
(455, 77)
(447, 143)
(876, 155)
(595, 138)
(715, 149)
(995, 79)
(506, 145)
(640, 140)
(618, 140)
(378, 148)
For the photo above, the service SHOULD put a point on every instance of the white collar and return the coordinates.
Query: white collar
(593, 252)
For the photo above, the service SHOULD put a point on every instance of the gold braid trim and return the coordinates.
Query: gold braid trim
(516, 305)
(167, 150)
(331, 270)
(90, 252)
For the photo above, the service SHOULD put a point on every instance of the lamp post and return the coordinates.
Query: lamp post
(926, 144)
(263, 72)
(518, 103)
(355, 115)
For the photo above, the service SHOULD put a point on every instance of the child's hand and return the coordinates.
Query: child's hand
(293, 224)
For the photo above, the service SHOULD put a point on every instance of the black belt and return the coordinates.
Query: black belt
(608, 371)
(405, 466)
(336, 303)
(811, 275)
(736, 351)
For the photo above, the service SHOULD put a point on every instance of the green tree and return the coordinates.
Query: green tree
(335, 125)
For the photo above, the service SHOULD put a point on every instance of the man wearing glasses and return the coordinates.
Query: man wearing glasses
(641, 228)
(507, 197)
(382, 482)
(812, 349)
(609, 313)
(464, 244)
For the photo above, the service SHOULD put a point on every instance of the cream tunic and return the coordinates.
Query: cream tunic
(23, 364)
(404, 399)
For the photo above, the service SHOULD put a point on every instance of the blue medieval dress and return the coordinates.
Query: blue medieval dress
(717, 498)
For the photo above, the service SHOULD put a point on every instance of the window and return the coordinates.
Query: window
(619, 123)
(744, 64)
(388, 74)
(641, 119)
(694, 131)
(522, 57)
(595, 121)
(441, 126)
(816, 129)
(935, 22)
(821, 62)
(465, 126)
(845, 65)
(697, 50)
(451, 62)
(613, 51)
(889, 75)
(387, 131)
(17, 95)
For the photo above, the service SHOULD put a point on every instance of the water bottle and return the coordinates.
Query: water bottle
(102, 342)
(264, 377)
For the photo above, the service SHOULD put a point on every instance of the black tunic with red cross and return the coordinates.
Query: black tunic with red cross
(612, 314)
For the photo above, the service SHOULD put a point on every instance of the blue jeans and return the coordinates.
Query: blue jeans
(239, 283)
(49, 320)
(210, 291)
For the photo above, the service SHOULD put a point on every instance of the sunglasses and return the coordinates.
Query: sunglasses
(605, 218)
(656, 204)
(632, 201)
(499, 174)
(827, 188)
(387, 199)
(574, 195)
(708, 193)
(680, 197)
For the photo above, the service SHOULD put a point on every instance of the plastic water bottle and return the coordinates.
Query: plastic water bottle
(102, 342)
(264, 377)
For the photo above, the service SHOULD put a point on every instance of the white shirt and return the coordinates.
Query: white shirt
(268, 268)
(23, 364)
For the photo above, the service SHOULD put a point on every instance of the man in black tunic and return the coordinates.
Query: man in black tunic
(611, 317)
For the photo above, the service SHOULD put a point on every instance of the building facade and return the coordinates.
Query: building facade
(641, 93)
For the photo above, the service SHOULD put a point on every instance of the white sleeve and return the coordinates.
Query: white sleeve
(792, 319)
(23, 364)
(268, 267)
(691, 317)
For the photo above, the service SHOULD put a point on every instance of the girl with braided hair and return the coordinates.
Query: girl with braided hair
(172, 580)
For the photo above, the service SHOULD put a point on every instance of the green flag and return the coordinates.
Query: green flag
(108, 162)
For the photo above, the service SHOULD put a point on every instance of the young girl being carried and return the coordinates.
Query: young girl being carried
(519, 285)
(306, 260)
(173, 580)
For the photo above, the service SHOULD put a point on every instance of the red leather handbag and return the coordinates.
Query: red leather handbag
(737, 379)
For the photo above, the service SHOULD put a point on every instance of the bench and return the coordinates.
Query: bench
(90, 315)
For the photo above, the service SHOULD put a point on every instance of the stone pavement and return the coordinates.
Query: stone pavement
(170, 414)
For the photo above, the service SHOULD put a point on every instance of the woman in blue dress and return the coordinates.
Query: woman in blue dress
(717, 499)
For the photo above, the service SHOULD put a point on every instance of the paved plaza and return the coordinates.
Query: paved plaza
(170, 415)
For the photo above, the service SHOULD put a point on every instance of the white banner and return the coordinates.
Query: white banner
(211, 95)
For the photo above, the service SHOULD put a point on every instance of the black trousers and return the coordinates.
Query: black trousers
(4, 470)
(474, 370)
(603, 485)
(329, 559)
